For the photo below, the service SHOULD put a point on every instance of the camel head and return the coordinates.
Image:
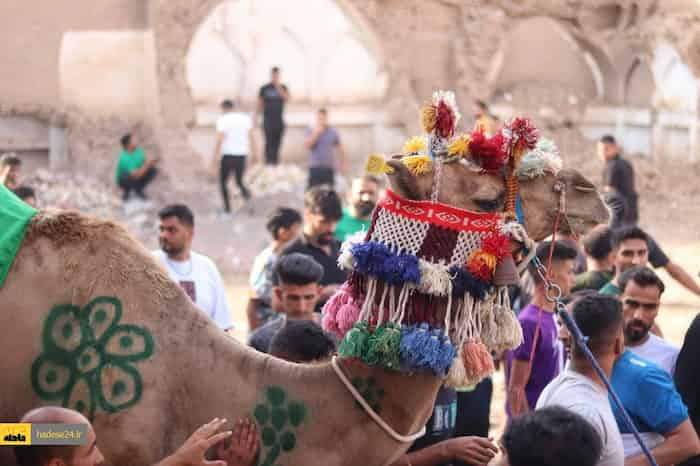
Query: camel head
(463, 186)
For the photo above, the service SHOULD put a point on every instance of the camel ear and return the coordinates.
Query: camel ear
(401, 180)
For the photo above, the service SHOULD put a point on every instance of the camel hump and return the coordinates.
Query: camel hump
(15, 216)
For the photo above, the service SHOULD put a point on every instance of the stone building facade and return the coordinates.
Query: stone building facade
(77, 74)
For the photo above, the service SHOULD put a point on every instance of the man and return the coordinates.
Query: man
(631, 249)
(196, 273)
(298, 277)
(302, 341)
(551, 436)
(537, 361)
(439, 447)
(322, 210)
(657, 257)
(271, 100)
(686, 376)
(241, 452)
(579, 388)
(618, 177)
(134, 170)
(323, 141)
(234, 141)
(641, 291)
(358, 215)
(284, 225)
(598, 247)
(27, 194)
(10, 170)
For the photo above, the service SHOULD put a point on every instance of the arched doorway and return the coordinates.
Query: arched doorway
(212, 49)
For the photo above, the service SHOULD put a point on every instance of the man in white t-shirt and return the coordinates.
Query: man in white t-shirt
(234, 142)
(641, 291)
(579, 388)
(195, 273)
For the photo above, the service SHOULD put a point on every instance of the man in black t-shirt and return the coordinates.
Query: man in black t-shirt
(618, 177)
(271, 100)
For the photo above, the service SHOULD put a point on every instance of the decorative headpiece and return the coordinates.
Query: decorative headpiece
(426, 291)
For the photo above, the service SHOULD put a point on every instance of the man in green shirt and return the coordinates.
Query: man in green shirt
(134, 170)
(357, 216)
(631, 247)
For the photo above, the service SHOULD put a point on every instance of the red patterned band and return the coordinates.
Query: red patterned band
(440, 214)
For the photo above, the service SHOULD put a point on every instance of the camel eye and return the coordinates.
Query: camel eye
(584, 189)
(490, 205)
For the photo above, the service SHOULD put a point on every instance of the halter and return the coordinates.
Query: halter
(370, 412)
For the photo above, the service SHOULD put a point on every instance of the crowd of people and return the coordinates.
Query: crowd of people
(559, 410)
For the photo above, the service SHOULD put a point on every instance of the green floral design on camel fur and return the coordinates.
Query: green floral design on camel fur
(88, 358)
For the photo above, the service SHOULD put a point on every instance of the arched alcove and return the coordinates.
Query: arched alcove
(639, 84)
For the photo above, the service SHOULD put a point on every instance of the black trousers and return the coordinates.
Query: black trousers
(232, 164)
(127, 183)
(273, 140)
(321, 175)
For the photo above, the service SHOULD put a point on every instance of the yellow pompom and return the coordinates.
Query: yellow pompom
(415, 145)
(376, 165)
(428, 118)
(459, 146)
(418, 164)
(480, 258)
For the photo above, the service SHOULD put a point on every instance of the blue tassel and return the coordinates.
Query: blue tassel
(426, 350)
(464, 282)
(401, 269)
(369, 258)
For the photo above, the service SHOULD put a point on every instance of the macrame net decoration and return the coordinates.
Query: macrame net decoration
(425, 292)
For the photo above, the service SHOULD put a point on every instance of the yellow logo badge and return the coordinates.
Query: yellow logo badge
(15, 434)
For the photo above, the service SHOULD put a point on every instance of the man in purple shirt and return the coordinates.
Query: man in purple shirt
(323, 141)
(528, 372)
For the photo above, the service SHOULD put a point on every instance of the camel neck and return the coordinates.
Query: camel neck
(403, 401)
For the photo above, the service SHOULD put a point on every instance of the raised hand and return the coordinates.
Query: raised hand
(244, 445)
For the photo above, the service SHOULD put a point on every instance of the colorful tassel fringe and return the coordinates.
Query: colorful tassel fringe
(426, 350)
(354, 345)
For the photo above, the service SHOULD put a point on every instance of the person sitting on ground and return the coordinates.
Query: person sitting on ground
(10, 170)
(551, 436)
(357, 216)
(641, 291)
(322, 210)
(27, 194)
(241, 451)
(302, 341)
(579, 388)
(631, 249)
(284, 225)
(196, 274)
(134, 170)
(598, 247)
(657, 256)
(297, 290)
(526, 373)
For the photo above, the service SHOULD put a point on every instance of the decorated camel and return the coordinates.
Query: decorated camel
(90, 321)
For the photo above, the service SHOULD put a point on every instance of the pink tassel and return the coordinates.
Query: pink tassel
(330, 310)
(329, 322)
(477, 361)
(347, 316)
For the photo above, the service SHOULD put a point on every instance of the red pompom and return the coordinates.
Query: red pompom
(445, 121)
(487, 152)
(480, 269)
(523, 134)
(496, 245)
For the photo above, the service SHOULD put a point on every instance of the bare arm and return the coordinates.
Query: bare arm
(342, 158)
(253, 146)
(519, 375)
(258, 110)
(284, 92)
(313, 137)
(217, 150)
(193, 451)
(681, 276)
(476, 451)
(680, 444)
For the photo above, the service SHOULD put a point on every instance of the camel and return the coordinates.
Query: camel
(148, 367)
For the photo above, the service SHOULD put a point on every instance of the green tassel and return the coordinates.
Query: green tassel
(354, 345)
(383, 346)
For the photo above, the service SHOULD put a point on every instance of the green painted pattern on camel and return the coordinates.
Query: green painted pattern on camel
(278, 418)
(370, 391)
(87, 359)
